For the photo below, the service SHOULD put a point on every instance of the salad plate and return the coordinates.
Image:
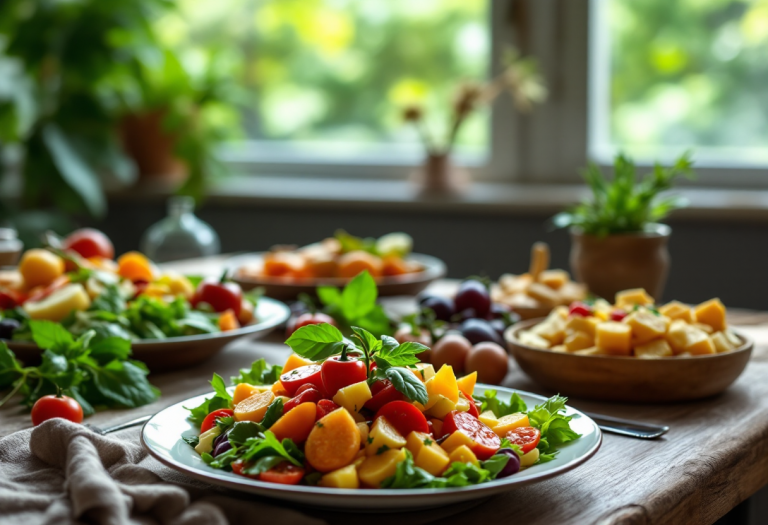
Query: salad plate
(290, 288)
(173, 353)
(161, 437)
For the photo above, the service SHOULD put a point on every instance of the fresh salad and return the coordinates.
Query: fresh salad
(76, 282)
(365, 413)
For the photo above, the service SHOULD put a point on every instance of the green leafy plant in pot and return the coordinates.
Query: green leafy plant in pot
(617, 240)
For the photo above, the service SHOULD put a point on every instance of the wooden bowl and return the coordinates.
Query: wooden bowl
(628, 379)
(288, 289)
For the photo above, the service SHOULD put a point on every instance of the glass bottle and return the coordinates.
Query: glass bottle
(181, 235)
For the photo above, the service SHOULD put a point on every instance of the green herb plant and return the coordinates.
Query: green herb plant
(356, 305)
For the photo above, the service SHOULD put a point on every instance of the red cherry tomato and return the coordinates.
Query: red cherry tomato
(300, 376)
(10, 299)
(486, 442)
(49, 407)
(88, 243)
(221, 294)
(139, 286)
(237, 468)
(525, 437)
(210, 420)
(306, 319)
(338, 373)
(472, 406)
(618, 315)
(303, 396)
(383, 392)
(580, 309)
(283, 473)
(405, 417)
(305, 387)
(325, 407)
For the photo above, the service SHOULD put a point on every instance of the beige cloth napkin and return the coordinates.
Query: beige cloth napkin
(61, 472)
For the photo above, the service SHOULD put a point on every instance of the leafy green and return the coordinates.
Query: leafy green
(317, 341)
(260, 373)
(495, 464)
(220, 387)
(403, 354)
(489, 401)
(554, 426)
(409, 476)
(273, 413)
(404, 382)
(197, 414)
(356, 305)
(192, 441)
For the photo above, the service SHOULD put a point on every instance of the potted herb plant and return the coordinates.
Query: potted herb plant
(617, 240)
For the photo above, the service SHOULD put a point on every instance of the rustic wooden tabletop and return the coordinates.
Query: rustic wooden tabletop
(714, 456)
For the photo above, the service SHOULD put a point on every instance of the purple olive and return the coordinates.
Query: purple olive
(480, 330)
(442, 306)
(499, 326)
(512, 466)
(222, 447)
(473, 294)
(7, 327)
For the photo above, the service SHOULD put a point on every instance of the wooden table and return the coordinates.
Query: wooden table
(714, 457)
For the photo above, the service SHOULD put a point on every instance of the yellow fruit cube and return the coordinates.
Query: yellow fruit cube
(704, 327)
(353, 397)
(463, 454)
(293, 362)
(467, 383)
(444, 384)
(735, 340)
(699, 343)
(543, 294)
(432, 458)
(376, 469)
(576, 323)
(529, 338)
(432, 399)
(510, 421)
(442, 407)
(456, 440)
(721, 343)
(653, 349)
(614, 338)
(362, 427)
(343, 478)
(489, 418)
(555, 279)
(244, 391)
(416, 440)
(646, 326)
(559, 348)
(529, 458)
(602, 315)
(592, 350)
(253, 408)
(677, 310)
(423, 371)
(552, 329)
(383, 436)
(677, 336)
(630, 298)
(711, 313)
(463, 404)
(578, 341)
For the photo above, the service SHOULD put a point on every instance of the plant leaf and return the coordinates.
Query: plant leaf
(316, 341)
(359, 296)
(407, 384)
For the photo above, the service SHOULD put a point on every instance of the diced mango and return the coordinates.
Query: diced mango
(432, 458)
(721, 343)
(423, 371)
(343, 478)
(254, 407)
(244, 391)
(677, 310)
(383, 436)
(704, 327)
(699, 343)
(653, 349)
(552, 329)
(602, 315)
(463, 404)
(353, 397)
(555, 279)
(364, 431)
(711, 313)
(279, 390)
(376, 469)
(646, 326)
(444, 384)
(432, 397)
(463, 454)
(296, 424)
(577, 323)
(529, 338)
(440, 409)
(295, 361)
(467, 383)
(456, 440)
(558, 312)
(529, 458)
(614, 338)
(509, 422)
(578, 341)
(205, 445)
(677, 336)
(416, 440)
(489, 418)
(630, 298)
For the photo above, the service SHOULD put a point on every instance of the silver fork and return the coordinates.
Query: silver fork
(121, 426)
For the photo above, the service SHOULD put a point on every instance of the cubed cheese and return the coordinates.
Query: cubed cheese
(614, 338)
(577, 323)
(353, 397)
(711, 313)
(555, 279)
(721, 343)
(383, 436)
(677, 310)
(636, 296)
(510, 421)
(578, 341)
(653, 349)
(646, 326)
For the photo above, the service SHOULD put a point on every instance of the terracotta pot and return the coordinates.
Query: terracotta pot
(145, 140)
(438, 175)
(614, 263)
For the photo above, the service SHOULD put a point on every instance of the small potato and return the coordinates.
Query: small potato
(489, 360)
(451, 350)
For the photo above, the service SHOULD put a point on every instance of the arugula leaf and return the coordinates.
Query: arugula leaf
(499, 408)
(197, 414)
(554, 426)
(50, 336)
(260, 373)
(359, 296)
(220, 387)
(316, 341)
(406, 383)
(256, 448)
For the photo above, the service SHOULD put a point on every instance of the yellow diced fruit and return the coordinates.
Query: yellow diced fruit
(699, 343)
(552, 329)
(244, 391)
(444, 384)
(559, 312)
(416, 440)
(677, 310)
(463, 404)
(456, 440)
(205, 445)
(529, 458)
(543, 294)
(432, 398)
(353, 397)
(293, 362)
(463, 454)
(577, 323)
(423, 371)
(253, 408)
(489, 418)
(364, 431)
(735, 340)
(721, 342)
(442, 407)
(592, 350)
(376, 469)
(555, 279)
(467, 383)
(560, 348)
(432, 458)
(529, 338)
(614, 338)
(602, 315)
(383, 436)
(653, 349)
(359, 460)
(646, 326)
(343, 478)
(59, 304)
(578, 341)
(711, 313)
(677, 336)
(509, 422)
(703, 327)
(279, 390)
(635, 296)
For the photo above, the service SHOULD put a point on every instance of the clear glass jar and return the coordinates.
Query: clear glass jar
(181, 235)
(10, 247)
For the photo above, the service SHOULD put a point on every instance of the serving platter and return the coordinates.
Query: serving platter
(628, 379)
(287, 289)
(175, 353)
(161, 436)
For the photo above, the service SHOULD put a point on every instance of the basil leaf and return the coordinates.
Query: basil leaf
(243, 431)
(51, 336)
(402, 355)
(220, 388)
(274, 412)
(125, 384)
(111, 348)
(367, 339)
(407, 384)
(359, 296)
(260, 373)
(329, 295)
(316, 341)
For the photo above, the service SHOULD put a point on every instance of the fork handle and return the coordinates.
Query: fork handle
(128, 424)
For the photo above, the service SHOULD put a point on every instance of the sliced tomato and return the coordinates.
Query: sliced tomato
(383, 392)
(472, 406)
(210, 420)
(284, 473)
(325, 407)
(525, 437)
(405, 417)
(237, 468)
(300, 376)
(485, 441)
(303, 395)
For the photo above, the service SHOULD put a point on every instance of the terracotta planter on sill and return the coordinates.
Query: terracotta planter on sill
(151, 147)
(439, 176)
(614, 263)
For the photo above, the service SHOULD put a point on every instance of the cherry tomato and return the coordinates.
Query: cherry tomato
(283, 473)
(237, 468)
(10, 299)
(49, 407)
(472, 406)
(618, 315)
(405, 417)
(525, 437)
(306, 319)
(325, 407)
(486, 442)
(383, 392)
(89, 243)
(221, 294)
(305, 396)
(299, 376)
(340, 371)
(210, 420)
(580, 309)
(305, 387)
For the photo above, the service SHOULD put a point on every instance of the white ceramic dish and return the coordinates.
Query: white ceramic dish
(162, 438)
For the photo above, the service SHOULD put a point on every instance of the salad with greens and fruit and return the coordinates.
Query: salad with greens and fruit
(364, 412)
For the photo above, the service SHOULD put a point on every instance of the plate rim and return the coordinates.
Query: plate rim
(259, 487)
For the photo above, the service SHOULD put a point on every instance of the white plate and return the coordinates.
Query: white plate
(161, 436)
